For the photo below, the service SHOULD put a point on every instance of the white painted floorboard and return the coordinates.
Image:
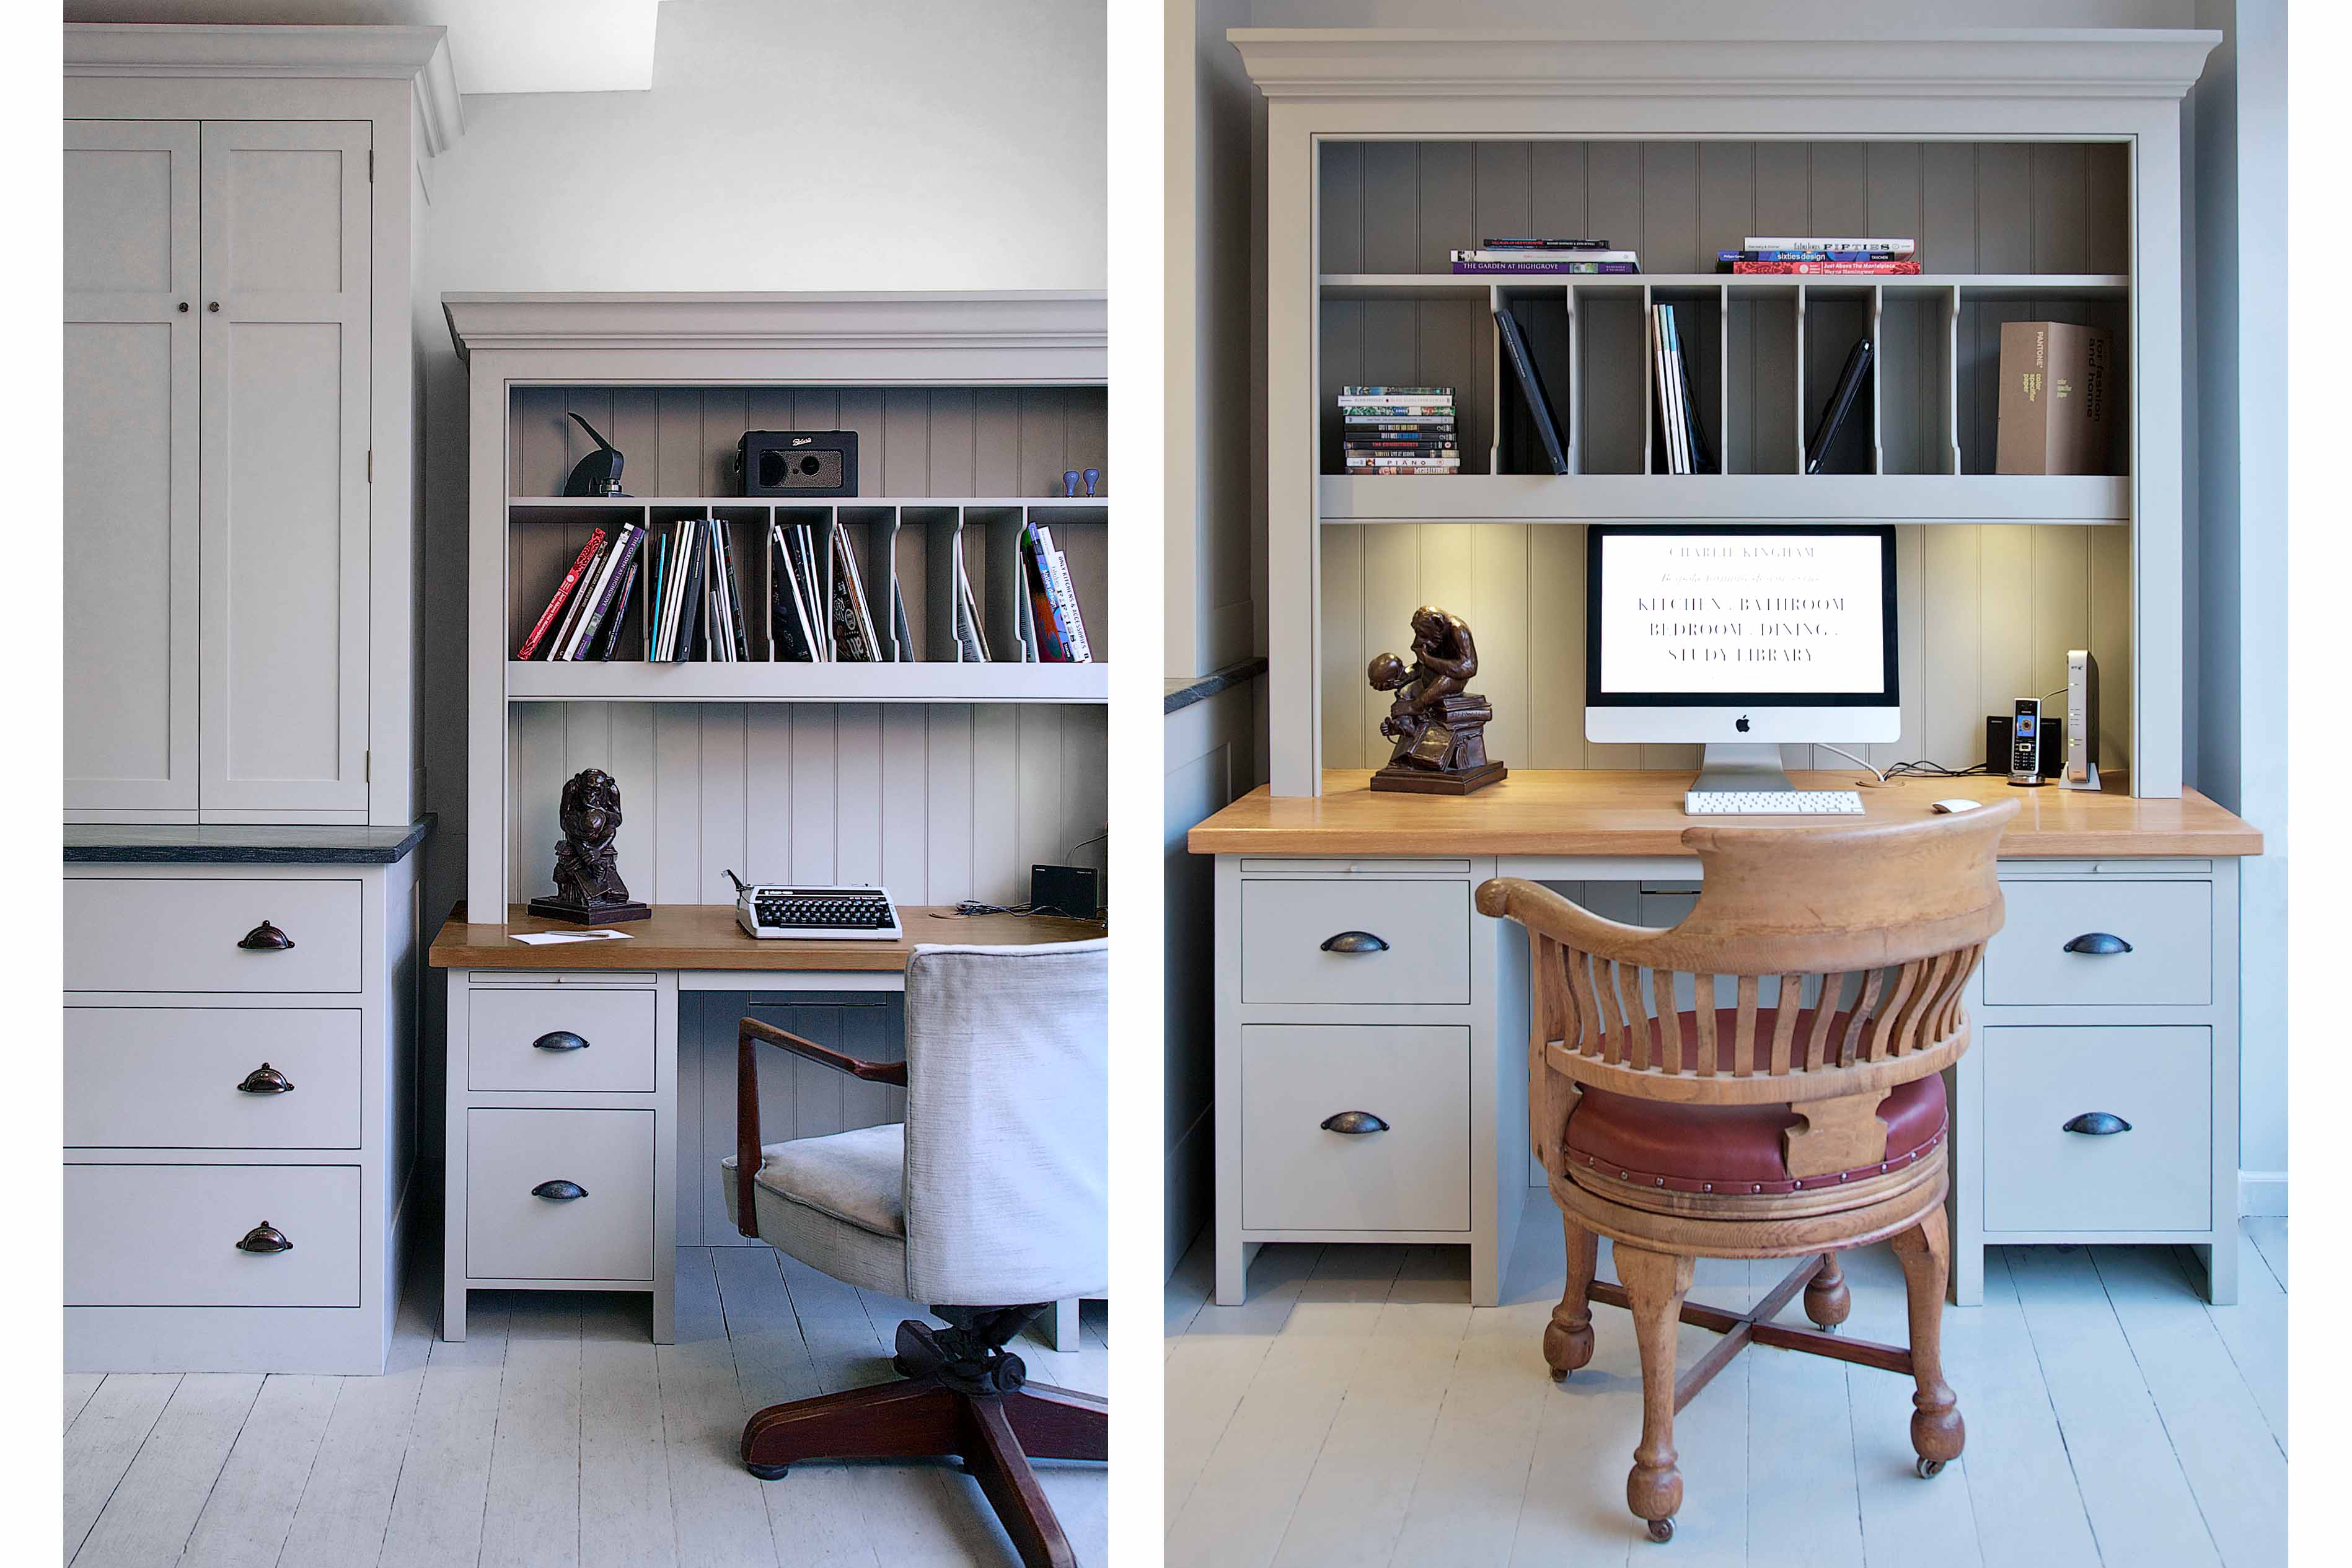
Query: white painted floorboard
(1357, 1411)
(557, 1434)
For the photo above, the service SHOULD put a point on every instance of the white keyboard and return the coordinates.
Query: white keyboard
(828, 914)
(1772, 803)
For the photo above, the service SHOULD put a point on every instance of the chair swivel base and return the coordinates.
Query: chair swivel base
(975, 1408)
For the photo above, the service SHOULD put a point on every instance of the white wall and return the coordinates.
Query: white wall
(825, 144)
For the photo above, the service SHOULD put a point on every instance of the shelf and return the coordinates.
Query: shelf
(576, 509)
(2100, 501)
(1455, 286)
(762, 682)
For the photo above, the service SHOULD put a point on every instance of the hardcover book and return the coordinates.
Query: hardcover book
(2057, 399)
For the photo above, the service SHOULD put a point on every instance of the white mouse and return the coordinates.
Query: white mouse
(1957, 804)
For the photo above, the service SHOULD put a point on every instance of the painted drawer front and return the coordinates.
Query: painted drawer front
(1419, 951)
(167, 1236)
(2169, 925)
(1297, 1174)
(182, 934)
(596, 1041)
(167, 1078)
(513, 1232)
(2040, 1177)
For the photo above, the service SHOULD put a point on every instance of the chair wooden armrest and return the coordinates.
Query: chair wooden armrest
(1572, 925)
(749, 1033)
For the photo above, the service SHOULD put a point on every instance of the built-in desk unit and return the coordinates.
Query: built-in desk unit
(2040, 173)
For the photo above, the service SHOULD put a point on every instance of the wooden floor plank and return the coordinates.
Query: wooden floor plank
(1571, 1506)
(2268, 1233)
(716, 1511)
(251, 1507)
(1253, 1478)
(80, 1386)
(102, 1442)
(531, 1511)
(2236, 1472)
(2141, 1510)
(148, 1518)
(1211, 1367)
(1803, 1496)
(2255, 1333)
(347, 1499)
(436, 1505)
(624, 1506)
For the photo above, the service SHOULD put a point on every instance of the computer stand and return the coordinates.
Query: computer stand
(1742, 768)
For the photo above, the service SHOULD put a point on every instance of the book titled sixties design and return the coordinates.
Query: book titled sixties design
(1824, 256)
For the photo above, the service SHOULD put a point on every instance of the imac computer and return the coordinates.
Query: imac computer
(1741, 637)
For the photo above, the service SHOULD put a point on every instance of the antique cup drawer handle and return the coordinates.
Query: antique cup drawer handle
(559, 1192)
(2097, 1124)
(2098, 944)
(559, 1040)
(1354, 942)
(264, 1237)
(265, 1080)
(265, 938)
(1354, 1123)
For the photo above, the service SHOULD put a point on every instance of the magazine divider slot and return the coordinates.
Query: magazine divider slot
(1084, 543)
(1004, 598)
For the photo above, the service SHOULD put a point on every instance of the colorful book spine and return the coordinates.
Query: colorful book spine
(1518, 242)
(625, 550)
(562, 594)
(609, 643)
(1829, 269)
(1609, 268)
(1549, 258)
(1051, 648)
(1394, 393)
(1808, 256)
(1826, 242)
(1066, 618)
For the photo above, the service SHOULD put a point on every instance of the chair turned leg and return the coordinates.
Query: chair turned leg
(1925, 1253)
(1827, 1300)
(1654, 1284)
(1567, 1338)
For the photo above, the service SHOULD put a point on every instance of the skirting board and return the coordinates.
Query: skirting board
(2262, 1193)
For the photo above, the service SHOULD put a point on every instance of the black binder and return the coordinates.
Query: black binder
(1531, 392)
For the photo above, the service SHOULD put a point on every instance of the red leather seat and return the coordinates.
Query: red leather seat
(1731, 1149)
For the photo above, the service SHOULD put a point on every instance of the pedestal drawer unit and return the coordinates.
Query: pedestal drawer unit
(562, 1136)
(239, 1121)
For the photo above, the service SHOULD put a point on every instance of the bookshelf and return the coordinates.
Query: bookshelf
(967, 408)
(2039, 172)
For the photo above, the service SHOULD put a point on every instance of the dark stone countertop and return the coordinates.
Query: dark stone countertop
(176, 844)
(1180, 694)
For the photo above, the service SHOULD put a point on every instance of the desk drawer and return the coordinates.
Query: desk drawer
(1298, 1175)
(615, 1030)
(2039, 1176)
(168, 1077)
(128, 933)
(2169, 925)
(512, 1233)
(167, 1236)
(1421, 928)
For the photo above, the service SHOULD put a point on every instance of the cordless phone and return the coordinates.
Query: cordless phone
(2025, 744)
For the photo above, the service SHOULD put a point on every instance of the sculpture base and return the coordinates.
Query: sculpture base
(588, 914)
(1421, 781)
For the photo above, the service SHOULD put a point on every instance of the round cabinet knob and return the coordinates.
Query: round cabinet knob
(184, 307)
(2097, 1124)
(559, 1040)
(264, 1237)
(559, 1192)
(2098, 944)
(1354, 1123)
(265, 938)
(265, 1080)
(213, 307)
(1354, 942)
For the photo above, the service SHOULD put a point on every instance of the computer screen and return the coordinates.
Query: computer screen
(1752, 631)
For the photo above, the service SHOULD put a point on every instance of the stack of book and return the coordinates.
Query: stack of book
(1053, 602)
(582, 617)
(1827, 255)
(697, 608)
(1510, 255)
(1399, 430)
(1680, 434)
(819, 616)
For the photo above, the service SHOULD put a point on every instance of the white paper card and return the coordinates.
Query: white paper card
(546, 938)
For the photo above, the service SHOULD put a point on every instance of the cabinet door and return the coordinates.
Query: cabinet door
(285, 487)
(130, 469)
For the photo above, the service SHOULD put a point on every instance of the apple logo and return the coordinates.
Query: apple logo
(1741, 725)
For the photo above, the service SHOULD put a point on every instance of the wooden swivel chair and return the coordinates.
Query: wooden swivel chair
(1762, 1080)
(989, 1200)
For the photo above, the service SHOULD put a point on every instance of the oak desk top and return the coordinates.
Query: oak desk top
(1601, 812)
(705, 936)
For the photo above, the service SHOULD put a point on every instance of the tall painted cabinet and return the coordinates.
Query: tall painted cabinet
(240, 675)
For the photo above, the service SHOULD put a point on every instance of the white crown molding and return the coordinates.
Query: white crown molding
(419, 56)
(1002, 321)
(2071, 63)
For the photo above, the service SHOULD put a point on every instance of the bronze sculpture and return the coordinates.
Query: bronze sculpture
(588, 886)
(1439, 726)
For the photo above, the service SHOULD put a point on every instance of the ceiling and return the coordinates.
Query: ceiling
(496, 45)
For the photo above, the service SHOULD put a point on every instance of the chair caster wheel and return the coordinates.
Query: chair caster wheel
(1929, 1468)
(768, 1472)
(1662, 1530)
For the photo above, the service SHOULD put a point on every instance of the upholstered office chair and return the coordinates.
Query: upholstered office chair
(1798, 1114)
(989, 1201)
